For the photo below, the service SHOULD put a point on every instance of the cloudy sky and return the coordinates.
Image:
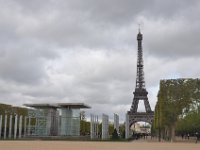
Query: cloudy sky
(86, 50)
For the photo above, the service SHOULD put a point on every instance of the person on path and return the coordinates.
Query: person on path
(182, 135)
(188, 136)
(197, 136)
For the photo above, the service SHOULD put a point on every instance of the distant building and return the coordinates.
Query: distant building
(137, 128)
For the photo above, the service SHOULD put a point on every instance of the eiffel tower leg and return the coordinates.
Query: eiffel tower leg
(147, 105)
(135, 105)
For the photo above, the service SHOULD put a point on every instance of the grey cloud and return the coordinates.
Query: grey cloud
(65, 51)
(180, 39)
(23, 62)
(95, 81)
(103, 24)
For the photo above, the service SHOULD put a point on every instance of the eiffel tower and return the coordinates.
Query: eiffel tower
(140, 91)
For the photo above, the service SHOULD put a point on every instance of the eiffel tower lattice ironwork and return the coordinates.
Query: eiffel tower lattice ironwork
(140, 92)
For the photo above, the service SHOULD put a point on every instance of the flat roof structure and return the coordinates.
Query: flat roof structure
(59, 105)
(73, 105)
(41, 106)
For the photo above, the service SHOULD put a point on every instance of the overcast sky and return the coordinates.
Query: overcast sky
(86, 50)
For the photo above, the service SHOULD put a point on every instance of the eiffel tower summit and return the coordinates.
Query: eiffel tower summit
(140, 93)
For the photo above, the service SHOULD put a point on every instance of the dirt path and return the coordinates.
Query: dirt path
(70, 145)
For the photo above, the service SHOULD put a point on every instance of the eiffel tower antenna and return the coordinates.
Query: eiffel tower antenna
(139, 25)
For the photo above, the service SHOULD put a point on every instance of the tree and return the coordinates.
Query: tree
(82, 115)
(111, 129)
(115, 135)
(122, 130)
(175, 98)
(84, 125)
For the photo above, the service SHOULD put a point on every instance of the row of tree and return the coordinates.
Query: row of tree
(11, 110)
(190, 123)
(177, 108)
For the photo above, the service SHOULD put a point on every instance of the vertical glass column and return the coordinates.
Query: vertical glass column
(116, 122)
(105, 127)
(127, 128)
(10, 127)
(66, 120)
(25, 126)
(20, 126)
(0, 125)
(70, 122)
(15, 127)
(5, 126)
(76, 122)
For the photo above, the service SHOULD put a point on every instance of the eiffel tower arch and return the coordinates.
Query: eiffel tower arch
(140, 93)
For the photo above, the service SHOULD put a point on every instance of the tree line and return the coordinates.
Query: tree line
(85, 128)
(177, 109)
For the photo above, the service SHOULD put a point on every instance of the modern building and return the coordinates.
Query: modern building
(59, 119)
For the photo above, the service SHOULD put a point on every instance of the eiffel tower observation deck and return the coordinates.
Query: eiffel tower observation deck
(140, 92)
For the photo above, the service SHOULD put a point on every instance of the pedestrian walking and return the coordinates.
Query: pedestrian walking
(188, 136)
(197, 136)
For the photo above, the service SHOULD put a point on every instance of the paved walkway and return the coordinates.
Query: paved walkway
(77, 145)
